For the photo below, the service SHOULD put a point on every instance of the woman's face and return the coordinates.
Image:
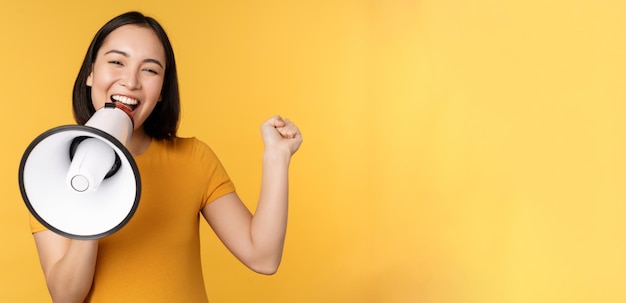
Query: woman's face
(129, 70)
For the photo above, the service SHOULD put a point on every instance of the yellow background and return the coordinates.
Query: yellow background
(455, 151)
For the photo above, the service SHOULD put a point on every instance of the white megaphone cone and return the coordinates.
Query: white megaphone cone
(80, 181)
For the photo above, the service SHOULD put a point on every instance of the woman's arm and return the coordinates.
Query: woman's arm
(257, 240)
(68, 265)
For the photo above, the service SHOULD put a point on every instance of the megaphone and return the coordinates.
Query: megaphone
(80, 181)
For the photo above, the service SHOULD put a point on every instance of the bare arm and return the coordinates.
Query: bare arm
(257, 240)
(68, 265)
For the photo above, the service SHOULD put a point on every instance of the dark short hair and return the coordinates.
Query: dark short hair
(163, 121)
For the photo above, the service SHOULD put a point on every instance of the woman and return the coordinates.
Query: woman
(156, 256)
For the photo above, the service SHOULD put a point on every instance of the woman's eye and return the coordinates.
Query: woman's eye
(115, 62)
(151, 71)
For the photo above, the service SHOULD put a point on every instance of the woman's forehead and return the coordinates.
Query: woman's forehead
(134, 41)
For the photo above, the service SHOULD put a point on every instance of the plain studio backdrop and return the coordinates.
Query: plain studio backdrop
(454, 151)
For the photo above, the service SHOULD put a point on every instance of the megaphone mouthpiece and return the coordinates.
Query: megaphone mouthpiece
(122, 107)
(116, 120)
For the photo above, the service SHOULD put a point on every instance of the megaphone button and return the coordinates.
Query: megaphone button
(80, 183)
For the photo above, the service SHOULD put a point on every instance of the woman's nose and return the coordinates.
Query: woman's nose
(130, 80)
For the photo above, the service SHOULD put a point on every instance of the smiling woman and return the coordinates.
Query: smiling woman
(130, 63)
(153, 61)
(128, 69)
(459, 151)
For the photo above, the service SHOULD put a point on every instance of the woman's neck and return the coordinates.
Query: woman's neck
(138, 142)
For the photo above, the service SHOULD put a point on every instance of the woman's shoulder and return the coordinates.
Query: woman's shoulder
(183, 141)
(185, 145)
(176, 142)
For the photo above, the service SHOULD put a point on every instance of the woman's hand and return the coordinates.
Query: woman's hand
(280, 135)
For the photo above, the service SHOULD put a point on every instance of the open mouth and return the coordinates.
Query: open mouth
(126, 102)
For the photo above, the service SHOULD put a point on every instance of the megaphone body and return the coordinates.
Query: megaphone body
(80, 181)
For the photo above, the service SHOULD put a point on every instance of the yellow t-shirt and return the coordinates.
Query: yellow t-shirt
(156, 256)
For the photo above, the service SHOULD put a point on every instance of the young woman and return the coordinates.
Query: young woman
(156, 256)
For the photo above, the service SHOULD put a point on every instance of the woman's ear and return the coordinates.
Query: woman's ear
(89, 81)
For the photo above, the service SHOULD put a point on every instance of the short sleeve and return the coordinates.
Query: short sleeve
(35, 226)
(217, 181)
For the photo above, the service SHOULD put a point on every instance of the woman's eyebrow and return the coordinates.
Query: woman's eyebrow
(155, 61)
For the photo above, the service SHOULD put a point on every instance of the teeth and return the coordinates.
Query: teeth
(125, 100)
